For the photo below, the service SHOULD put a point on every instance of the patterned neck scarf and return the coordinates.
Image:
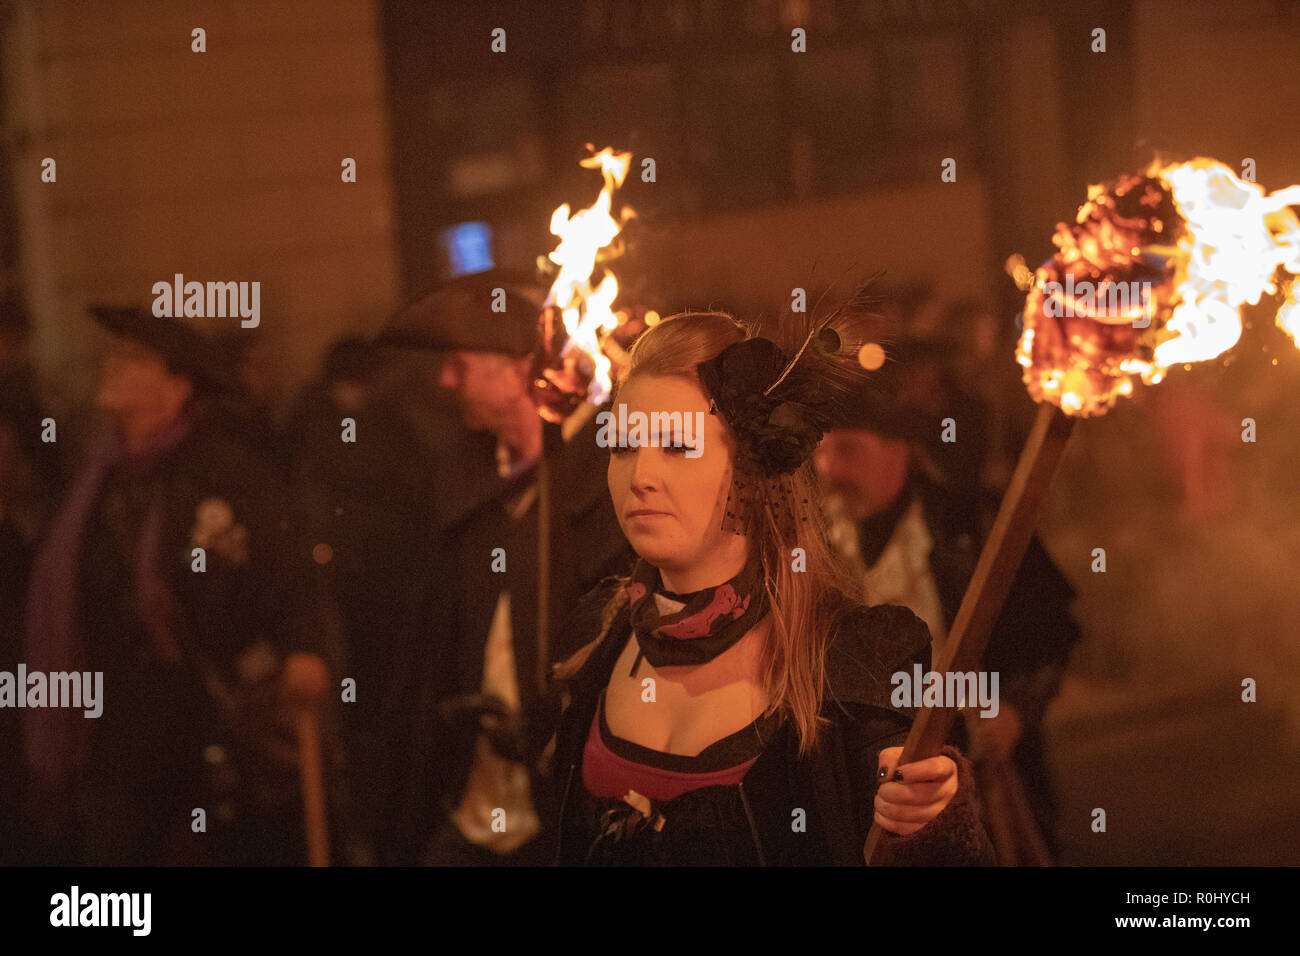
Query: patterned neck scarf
(711, 621)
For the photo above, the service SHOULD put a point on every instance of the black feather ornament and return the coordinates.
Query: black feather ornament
(780, 395)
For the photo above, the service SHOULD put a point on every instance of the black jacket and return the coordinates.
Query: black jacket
(1035, 632)
(1032, 638)
(259, 598)
(435, 749)
(835, 785)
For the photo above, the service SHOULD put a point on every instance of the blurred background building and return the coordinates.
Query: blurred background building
(773, 170)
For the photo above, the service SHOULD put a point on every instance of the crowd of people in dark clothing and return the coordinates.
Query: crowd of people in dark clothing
(388, 523)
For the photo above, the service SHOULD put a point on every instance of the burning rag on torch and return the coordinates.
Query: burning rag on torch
(1151, 274)
(582, 335)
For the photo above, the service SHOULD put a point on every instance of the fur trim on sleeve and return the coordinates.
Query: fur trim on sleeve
(956, 837)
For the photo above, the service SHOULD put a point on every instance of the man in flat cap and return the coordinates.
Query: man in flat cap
(477, 795)
(174, 569)
(913, 533)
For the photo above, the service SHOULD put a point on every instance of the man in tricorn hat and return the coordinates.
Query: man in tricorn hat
(913, 534)
(476, 793)
(174, 569)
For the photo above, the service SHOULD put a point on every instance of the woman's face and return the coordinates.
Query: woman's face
(670, 506)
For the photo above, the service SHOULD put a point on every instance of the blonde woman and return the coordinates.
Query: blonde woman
(732, 703)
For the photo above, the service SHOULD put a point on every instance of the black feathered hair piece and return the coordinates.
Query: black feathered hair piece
(781, 394)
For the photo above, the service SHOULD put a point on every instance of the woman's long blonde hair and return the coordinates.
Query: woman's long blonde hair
(803, 604)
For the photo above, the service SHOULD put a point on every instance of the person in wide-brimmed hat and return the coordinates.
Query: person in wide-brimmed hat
(485, 329)
(483, 721)
(907, 514)
(152, 369)
(175, 568)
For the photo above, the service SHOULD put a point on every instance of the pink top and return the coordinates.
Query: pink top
(612, 766)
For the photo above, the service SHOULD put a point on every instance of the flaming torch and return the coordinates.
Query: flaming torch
(582, 339)
(1152, 273)
(583, 335)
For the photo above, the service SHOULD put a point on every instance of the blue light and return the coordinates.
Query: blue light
(468, 246)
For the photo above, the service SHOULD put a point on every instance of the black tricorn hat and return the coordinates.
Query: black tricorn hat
(185, 349)
(458, 314)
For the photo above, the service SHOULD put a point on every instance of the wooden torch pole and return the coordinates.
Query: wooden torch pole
(543, 571)
(991, 581)
(306, 680)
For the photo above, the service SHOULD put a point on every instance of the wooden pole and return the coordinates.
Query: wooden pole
(997, 812)
(1012, 825)
(991, 582)
(543, 572)
(306, 682)
(1033, 849)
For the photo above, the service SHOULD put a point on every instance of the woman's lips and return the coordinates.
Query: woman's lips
(646, 513)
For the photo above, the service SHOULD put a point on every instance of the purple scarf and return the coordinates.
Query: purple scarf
(57, 739)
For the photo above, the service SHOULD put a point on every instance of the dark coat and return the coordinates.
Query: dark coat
(1032, 638)
(433, 754)
(836, 784)
(259, 599)
(376, 502)
(278, 594)
(1034, 632)
(15, 564)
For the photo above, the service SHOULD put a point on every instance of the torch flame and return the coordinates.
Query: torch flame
(1288, 317)
(1203, 242)
(588, 312)
(1237, 237)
